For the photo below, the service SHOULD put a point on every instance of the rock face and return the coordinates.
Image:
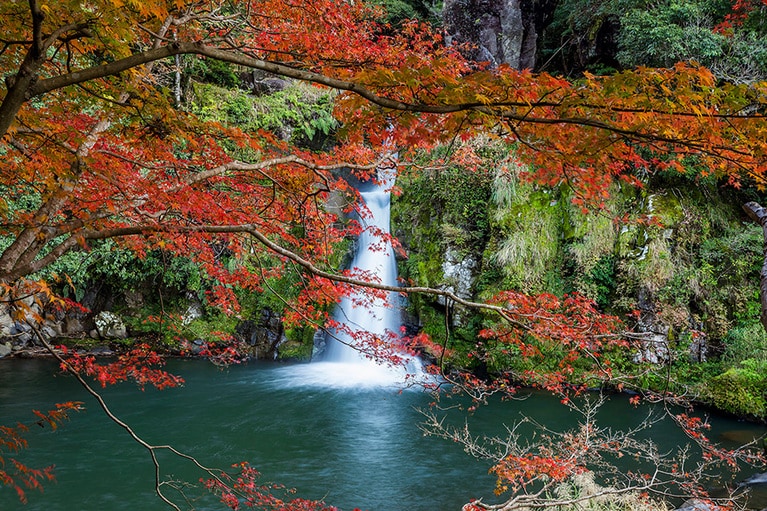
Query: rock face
(110, 326)
(459, 274)
(265, 335)
(498, 31)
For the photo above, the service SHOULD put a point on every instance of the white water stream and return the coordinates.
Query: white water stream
(347, 360)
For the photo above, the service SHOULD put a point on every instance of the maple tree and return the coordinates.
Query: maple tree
(95, 146)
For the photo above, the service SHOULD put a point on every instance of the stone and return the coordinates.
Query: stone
(73, 326)
(319, 344)
(110, 326)
(193, 311)
(51, 331)
(697, 505)
(458, 272)
(133, 300)
(264, 335)
(5, 349)
(21, 333)
(6, 323)
(653, 349)
(499, 31)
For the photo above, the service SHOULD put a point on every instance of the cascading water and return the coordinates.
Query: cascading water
(381, 319)
(346, 360)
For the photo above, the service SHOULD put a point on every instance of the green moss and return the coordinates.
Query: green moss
(527, 234)
(740, 391)
(300, 113)
(211, 327)
(297, 349)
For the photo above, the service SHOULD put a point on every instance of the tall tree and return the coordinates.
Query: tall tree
(94, 148)
(88, 130)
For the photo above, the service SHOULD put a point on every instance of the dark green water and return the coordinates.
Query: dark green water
(352, 447)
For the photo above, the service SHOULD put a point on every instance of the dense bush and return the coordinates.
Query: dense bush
(740, 390)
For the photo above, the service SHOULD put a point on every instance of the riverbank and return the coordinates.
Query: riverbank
(106, 349)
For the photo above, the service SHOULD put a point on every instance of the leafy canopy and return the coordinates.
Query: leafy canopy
(90, 131)
(94, 147)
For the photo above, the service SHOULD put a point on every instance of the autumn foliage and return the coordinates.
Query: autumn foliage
(560, 330)
(17, 475)
(94, 136)
(95, 147)
(140, 365)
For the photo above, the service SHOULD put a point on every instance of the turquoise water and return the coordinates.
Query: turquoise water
(351, 446)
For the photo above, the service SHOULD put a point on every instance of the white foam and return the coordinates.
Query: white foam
(349, 375)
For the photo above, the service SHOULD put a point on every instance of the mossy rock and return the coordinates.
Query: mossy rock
(739, 391)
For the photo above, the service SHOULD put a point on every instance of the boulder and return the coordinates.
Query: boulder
(110, 326)
(697, 505)
(264, 335)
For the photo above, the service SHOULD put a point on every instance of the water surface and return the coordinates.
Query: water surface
(351, 445)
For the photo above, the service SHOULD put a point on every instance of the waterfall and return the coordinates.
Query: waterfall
(380, 320)
(367, 324)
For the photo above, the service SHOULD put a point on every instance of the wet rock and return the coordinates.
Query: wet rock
(21, 333)
(110, 326)
(755, 479)
(697, 505)
(259, 82)
(193, 311)
(458, 271)
(654, 344)
(264, 335)
(499, 32)
(319, 345)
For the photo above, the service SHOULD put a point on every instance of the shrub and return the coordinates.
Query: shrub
(740, 390)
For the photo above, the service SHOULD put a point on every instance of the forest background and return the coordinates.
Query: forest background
(668, 248)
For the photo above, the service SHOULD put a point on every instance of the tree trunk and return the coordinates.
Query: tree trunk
(759, 215)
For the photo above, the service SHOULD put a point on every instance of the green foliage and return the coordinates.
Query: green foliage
(675, 30)
(740, 390)
(398, 11)
(300, 113)
(671, 32)
(155, 325)
(745, 341)
(211, 327)
(590, 265)
(212, 71)
(107, 263)
(600, 36)
(601, 280)
(440, 210)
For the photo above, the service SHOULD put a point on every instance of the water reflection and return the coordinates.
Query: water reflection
(353, 446)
